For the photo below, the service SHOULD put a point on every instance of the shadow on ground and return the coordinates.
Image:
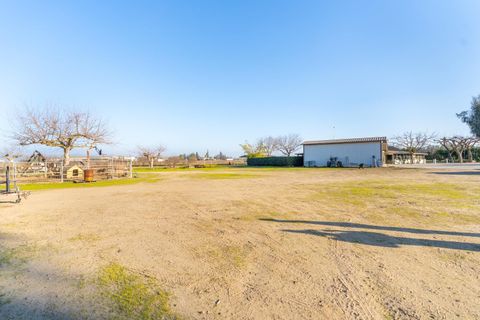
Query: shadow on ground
(458, 173)
(380, 239)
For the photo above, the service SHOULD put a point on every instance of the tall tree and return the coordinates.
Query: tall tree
(470, 143)
(445, 143)
(472, 116)
(59, 127)
(459, 145)
(151, 153)
(289, 144)
(220, 156)
(413, 142)
(192, 157)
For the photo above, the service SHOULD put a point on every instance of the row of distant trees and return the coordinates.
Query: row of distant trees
(54, 126)
(455, 146)
(151, 155)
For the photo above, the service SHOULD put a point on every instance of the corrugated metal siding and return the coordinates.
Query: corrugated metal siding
(349, 153)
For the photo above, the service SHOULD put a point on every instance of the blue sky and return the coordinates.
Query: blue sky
(197, 75)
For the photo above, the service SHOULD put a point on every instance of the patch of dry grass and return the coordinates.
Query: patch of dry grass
(378, 200)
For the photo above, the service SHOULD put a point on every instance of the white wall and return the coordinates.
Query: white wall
(355, 152)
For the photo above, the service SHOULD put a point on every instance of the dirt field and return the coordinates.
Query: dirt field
(248, 244)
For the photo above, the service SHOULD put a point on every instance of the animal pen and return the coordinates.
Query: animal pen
(39, 169)
(9, 179)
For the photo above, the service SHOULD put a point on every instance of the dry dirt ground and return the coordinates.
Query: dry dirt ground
(249, 244)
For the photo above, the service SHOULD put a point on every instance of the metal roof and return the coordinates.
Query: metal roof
(393, 152)
(351, 140)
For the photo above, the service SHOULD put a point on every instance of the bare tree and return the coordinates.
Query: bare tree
(445, 143)
(413, 142)
(95, 132)
(151, 154)
(289, 144)
(61, 128)
(458, 145)
(11, 152)
(469, 143)
(269, 144)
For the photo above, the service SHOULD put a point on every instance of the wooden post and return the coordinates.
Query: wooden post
(131, 168)
(7, 176)
(61, 171)
(14, 176)
(112, 169)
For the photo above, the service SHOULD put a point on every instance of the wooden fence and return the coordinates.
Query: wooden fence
(54, 170)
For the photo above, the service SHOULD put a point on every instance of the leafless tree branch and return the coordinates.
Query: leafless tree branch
(53, 126)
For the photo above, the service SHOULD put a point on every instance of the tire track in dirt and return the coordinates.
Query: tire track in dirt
(348, 293)
(246, 282)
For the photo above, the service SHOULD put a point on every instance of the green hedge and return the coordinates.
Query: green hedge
(276, 161)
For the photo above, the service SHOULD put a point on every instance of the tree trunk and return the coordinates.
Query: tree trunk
(459, 155)
(411, 157)
(151, 163)
(66, 156)
(469, 155)
(88, 158)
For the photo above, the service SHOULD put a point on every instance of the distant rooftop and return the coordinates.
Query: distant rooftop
(350, 140)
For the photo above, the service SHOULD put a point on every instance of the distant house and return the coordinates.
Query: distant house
(397, 156)
(369, 152)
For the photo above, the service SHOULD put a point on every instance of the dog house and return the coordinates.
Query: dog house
(75, 173)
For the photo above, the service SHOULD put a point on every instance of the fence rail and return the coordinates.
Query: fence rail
(57, 171)
(177, 163)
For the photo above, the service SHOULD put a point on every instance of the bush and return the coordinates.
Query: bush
(276, 162)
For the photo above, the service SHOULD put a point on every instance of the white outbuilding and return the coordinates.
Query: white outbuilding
(368, 152)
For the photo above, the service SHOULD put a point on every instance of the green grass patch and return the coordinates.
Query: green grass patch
(154, 169)
(457, 217)
(134, 296)
(86, 237)
(168, 169)
(230, 255)
(366, 191)
(16, 256)
(102, 183)
(381, 199)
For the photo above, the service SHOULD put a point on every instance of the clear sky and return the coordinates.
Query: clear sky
(197, 75)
